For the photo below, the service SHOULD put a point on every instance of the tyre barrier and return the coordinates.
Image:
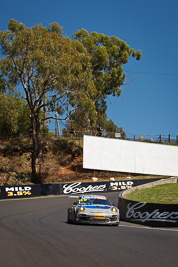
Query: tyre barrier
(149, 214)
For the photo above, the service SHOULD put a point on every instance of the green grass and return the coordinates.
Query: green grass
(164, 194)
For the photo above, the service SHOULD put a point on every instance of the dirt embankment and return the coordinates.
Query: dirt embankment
(62, 162)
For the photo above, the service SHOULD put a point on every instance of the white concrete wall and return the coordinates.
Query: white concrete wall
(129, 156)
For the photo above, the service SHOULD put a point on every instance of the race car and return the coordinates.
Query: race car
(93, 209)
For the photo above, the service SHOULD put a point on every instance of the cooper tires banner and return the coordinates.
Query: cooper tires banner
(151, 214)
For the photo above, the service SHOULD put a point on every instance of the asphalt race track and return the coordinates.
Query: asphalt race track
(34, 232)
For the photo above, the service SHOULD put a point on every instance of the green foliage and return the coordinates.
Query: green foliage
(108, 126)
(61, 75)
(52, 70)
(54, 27)
(43, 61)
(84, 121)
(108, 55)
(14, 116)
(15, 26)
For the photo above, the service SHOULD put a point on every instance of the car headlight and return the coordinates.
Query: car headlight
(114, 210)
(82, 209)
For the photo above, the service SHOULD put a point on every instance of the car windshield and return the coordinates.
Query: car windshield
(94, 201)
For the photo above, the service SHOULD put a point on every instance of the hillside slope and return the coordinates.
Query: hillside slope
(62, 162)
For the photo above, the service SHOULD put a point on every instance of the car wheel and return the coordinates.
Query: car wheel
(73, 216)
(68, 218)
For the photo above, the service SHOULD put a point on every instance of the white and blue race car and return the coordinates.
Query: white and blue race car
(93, 209)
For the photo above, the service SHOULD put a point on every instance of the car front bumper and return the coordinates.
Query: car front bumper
(96, 219)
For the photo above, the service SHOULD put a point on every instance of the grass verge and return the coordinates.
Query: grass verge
(163, 194)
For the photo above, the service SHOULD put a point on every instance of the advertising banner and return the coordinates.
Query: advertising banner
(150, 214)
(109, 186)
(27, 191)
(111, 154)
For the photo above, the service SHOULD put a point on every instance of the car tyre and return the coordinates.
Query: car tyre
(73, 216)
(68, 220)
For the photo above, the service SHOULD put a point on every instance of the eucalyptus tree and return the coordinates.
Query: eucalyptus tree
(44, 63)
(108, 55)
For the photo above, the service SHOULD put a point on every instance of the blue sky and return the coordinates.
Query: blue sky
(148, 103)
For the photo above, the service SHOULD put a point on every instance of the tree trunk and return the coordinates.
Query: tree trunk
(45, 115)
(37, 148)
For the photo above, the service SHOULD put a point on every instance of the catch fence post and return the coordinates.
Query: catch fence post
(169, 137)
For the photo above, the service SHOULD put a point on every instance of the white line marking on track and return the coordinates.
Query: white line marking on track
(149, 228)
